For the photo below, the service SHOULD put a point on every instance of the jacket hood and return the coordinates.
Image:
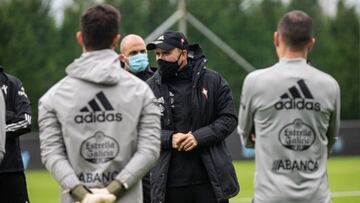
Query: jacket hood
(101, 67)
(195, 53)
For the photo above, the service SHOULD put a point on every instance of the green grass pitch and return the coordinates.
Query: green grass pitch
(344, 177)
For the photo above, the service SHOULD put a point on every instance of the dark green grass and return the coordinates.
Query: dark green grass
(344, 176)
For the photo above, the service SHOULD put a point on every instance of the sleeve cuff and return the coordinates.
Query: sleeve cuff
(116, 188)
(78, 193)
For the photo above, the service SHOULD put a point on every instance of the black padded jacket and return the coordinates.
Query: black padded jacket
(213, 119)
(18, 120)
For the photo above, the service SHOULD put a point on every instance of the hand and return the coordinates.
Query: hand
(99, 198)
(177, 138)
(253, 137)
(100, 191)
(1, 156)
(189, 143)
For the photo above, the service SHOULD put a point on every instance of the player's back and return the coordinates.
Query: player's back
(294, 107)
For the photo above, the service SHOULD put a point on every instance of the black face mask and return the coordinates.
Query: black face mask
(168, 69)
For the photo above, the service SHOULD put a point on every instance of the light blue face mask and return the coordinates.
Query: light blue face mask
(138, 63)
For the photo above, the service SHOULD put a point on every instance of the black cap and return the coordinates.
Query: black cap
(168, 41)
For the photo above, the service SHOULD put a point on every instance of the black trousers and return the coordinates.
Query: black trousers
(146, 188)
(202, 193)
(13, 188)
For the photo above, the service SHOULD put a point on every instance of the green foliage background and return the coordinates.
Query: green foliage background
(36, 49)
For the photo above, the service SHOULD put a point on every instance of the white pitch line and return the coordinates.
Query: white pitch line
(346, 194)
(333, 194)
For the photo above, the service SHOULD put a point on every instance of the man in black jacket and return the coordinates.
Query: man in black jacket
(198, 113)
(134, 59)
(18, 122)
(134, 56)
(2, 127)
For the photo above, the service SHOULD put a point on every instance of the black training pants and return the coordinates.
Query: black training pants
(146, 188)
(201, 193)
(13, 187)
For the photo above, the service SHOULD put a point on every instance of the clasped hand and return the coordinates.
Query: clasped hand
(184, 142)
(100, 195)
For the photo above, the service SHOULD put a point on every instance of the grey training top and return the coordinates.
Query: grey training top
(98, 124)
(294, 110)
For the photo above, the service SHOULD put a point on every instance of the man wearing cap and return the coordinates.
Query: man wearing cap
(198, 113)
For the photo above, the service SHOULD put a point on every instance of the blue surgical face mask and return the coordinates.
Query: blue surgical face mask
(138, 63)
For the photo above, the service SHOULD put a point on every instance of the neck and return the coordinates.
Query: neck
(291, 54)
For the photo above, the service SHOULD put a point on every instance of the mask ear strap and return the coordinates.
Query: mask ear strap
(179, 58)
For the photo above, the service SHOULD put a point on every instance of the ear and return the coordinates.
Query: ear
(124, 61)
(276, 39)
(122, 58)
(116, 41)
(184, 54)
(183, 58)
(311, 44)
(79, 38)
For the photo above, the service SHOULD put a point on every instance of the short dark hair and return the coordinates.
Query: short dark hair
(99, 26)
(296, 29)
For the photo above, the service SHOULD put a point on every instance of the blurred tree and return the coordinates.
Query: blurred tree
(246, 26)
(27, 43)
(343, 58)
(141, 17)
(37, 50)
(69, 49)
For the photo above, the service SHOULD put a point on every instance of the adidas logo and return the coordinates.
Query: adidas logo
(300, 97)
(97, 110)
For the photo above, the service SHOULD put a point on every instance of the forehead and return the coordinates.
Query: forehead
(134, 45)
